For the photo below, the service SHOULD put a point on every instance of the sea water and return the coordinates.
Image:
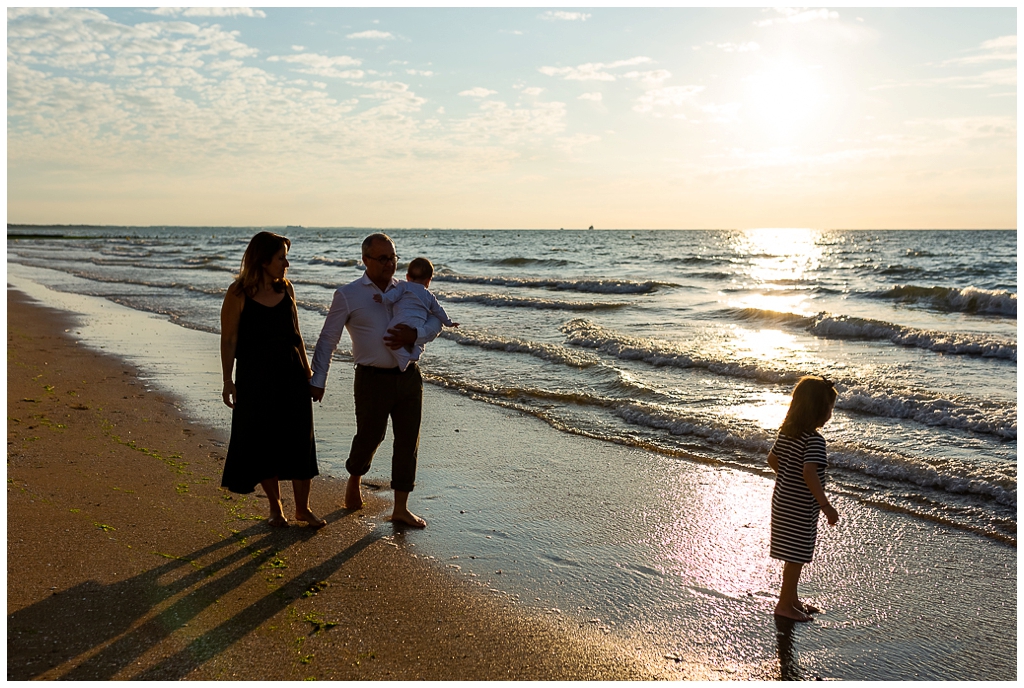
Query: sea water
(682, 346)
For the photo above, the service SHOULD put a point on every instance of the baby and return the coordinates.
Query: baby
(411, 303)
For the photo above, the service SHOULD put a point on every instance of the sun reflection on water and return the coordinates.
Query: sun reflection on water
(779, 256)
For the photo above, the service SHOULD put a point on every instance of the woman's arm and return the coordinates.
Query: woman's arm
(773, 462)
(814, 485)
(230, 314)
(302, 344)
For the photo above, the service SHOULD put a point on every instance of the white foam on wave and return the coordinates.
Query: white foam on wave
(599, 286)
(966, 300)
(504, 301)
(548, 352)
(992, 419)
(342, 262)
(581, 332)
(847, 327)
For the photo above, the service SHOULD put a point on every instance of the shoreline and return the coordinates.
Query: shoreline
(115, 520)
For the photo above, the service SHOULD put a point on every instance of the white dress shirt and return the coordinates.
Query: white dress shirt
(367, 322)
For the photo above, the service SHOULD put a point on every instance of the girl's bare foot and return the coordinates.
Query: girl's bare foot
(277, 521)
(792, 613)
(310, 519)
(808, 608)
(407, 517)
(353, 500)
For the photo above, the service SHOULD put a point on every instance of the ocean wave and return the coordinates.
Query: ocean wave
(501, 300)
(848, 327)
(954, 300)
(342, 262)
(581, 332)
(521, 261)
(597, 286)
(547, 352)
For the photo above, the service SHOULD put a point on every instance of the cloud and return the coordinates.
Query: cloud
(558, 15)
(419, 72)
(596, 96)
(748, 47)
(478, 92)
(298, 48)
(533, 91)
(592, 71)
(670, 97)
(1002, 49)
(651, 79)
(568, 144)
(371, 34)
(208, 12)
(792, 15)
(322, 65)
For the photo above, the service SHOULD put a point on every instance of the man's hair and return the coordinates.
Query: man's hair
(377, 236)
(421, 268)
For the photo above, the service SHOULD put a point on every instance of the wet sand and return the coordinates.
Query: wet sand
(127, 561)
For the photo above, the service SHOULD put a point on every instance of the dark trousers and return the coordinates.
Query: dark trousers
(379, 394)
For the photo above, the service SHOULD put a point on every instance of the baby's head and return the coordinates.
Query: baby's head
(420, 271)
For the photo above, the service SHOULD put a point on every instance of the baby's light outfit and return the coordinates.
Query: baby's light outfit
(411, 304)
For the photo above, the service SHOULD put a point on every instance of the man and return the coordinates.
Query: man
(381, 388)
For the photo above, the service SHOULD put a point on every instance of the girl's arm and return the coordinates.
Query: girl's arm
(773, 461)
(230, 314)
(814, 485)
(302, 344)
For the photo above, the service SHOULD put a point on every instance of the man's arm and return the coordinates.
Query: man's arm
(330, 335)
(402, 335)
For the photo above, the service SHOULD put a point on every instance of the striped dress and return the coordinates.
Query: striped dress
(794, 508)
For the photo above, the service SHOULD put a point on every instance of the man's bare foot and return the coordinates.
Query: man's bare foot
(808, 608)
(353, 500)
(277, 521)
(310, 519)
(407, 517)
(790, 612)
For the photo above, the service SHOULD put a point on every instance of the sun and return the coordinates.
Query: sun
(784, 98)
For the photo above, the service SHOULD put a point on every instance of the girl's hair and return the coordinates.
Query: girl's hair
(261, 250)
(813, 398)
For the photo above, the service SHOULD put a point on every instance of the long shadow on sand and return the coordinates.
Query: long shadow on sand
(68, 625)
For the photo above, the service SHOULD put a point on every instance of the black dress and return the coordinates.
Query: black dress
(272, 422)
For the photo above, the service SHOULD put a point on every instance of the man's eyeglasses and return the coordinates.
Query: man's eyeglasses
(383, 260)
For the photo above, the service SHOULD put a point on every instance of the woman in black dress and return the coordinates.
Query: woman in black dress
(272, 412)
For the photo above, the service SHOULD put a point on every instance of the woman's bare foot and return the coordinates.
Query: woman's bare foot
(353, 500)
(790, 612)
(277, 521)
(310, 519)
(808, 608)
(407, 517)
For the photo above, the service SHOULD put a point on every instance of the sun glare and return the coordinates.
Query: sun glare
(783, 99)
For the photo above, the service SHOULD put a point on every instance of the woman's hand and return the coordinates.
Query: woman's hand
(230, 395)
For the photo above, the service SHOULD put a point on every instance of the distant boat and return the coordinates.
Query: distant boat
(590, 227)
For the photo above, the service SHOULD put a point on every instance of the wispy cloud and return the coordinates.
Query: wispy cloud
(208, 12)
(322, 65)
(419, 72)
(596, 96)
(592, 71)
(1002, 49)
(559, 15)
(669, 98)
(748, 47)
(533, 91)
(372, 34)
(478, 92)
(792, 15)
(569, 144)
(651, 79)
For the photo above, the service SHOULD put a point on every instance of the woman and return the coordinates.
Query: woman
(272, 413)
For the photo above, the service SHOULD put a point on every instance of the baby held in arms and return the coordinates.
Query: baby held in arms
(411, 304)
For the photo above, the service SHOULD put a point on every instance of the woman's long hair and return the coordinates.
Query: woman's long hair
(813, 398)
(261, 250)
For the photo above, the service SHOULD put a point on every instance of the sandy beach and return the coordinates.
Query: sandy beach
(127, 561)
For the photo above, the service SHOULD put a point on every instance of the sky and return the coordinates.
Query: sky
(513, 118)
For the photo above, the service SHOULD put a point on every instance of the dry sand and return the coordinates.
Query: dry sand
(127, 561)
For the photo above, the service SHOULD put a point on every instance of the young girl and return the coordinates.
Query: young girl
(798, 458)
